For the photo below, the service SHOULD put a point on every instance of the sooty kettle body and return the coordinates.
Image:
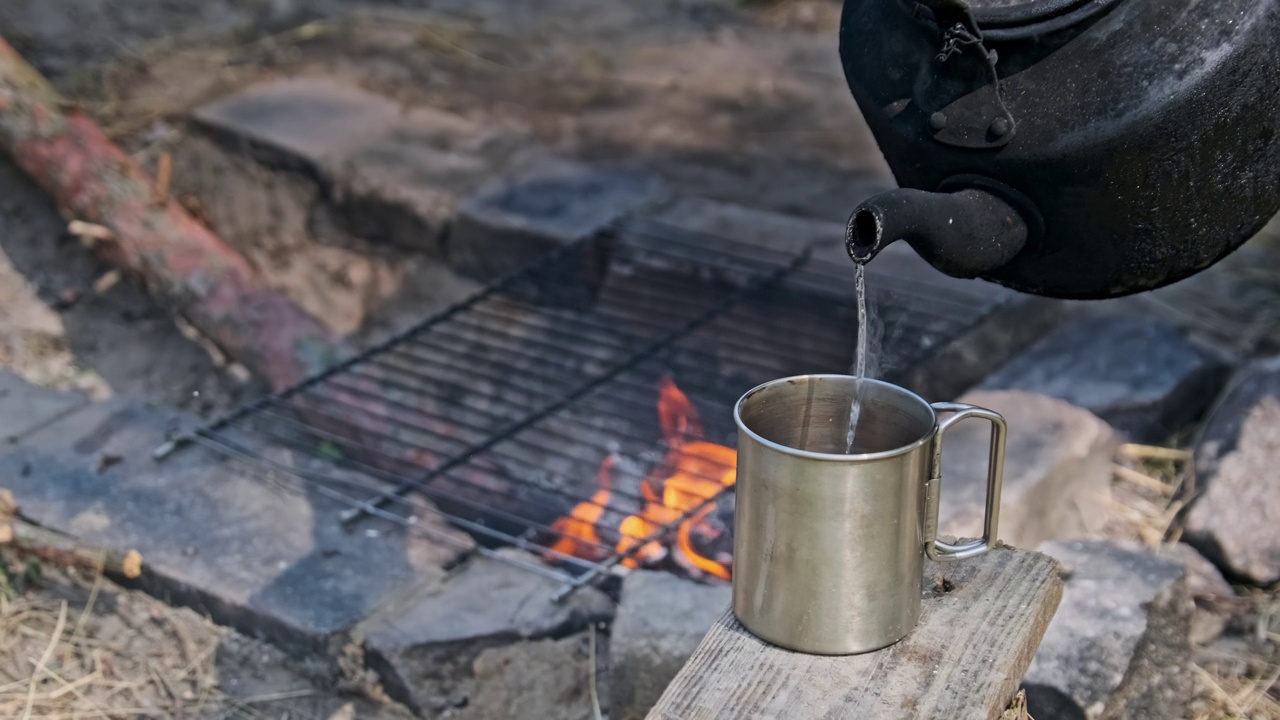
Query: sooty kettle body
(1069, 148)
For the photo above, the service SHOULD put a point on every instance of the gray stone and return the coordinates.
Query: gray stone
(512, 221)
(268, 558)
(1057, 474)
(405, 186)
(396, 173)
(1234, 518)
(1118, 647)
(1229, 306)
(544, 679)
(423, 643)
(1204, 581)
(1214, 598)
(308, 120)
(660, 622)
(1144, 377)
(25, 408)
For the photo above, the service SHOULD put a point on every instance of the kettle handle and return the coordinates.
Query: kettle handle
(947, 552)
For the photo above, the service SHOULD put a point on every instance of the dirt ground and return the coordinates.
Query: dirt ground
(73, 646)
(751, 107)
(692, 88)
(744, 106)
(707, 95)
(69, 321)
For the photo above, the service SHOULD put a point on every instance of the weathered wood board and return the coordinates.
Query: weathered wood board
(980, 627)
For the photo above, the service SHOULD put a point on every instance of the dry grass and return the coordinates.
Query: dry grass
(1145, 493)
(83, 648)
(86, 649)
(1238, 675)
(60, 662)
(1018, 708)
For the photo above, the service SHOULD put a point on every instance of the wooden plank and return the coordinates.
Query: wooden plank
(981, 624)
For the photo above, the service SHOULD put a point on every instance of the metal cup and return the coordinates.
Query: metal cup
(829, 546)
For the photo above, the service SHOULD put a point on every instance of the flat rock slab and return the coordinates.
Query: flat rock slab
(1142, 376)
(1119, 646)
(512, 221)
(962, 661)
(25, 408)
(265, 558)
(424, 641)
(397, 173)
(660, 622)
(315, 120)
(1057, 474)
(1234, 519)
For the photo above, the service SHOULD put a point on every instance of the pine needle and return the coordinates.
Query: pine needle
(44, 658)
(591, 669)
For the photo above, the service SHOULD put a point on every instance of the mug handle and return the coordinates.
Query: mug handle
(946, 552)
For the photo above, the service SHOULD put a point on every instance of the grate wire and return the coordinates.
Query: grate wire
(499, 410)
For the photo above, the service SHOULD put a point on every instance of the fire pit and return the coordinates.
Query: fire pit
(580, 408)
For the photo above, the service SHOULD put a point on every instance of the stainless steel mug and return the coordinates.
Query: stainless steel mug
(829, 546)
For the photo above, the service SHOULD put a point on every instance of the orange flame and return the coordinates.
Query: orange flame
(705, 564)
(676, 414)
(577, 530)
(692, 473)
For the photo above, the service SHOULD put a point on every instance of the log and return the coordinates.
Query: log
(59, 549)
(981, 624)
(132, 220)
(92, 180)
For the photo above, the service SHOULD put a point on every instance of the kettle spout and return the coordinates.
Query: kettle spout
(964, 234)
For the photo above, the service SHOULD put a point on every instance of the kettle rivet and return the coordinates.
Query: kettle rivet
(1000, 127)
(938, 121)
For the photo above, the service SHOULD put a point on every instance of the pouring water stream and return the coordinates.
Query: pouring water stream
(860, 356)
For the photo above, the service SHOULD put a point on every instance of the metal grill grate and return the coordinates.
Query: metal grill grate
(501, 410)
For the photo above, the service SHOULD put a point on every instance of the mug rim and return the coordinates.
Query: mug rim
(833, 457)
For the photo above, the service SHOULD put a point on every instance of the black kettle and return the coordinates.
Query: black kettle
(1069, 148)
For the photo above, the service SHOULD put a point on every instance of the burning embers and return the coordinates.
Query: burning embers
(684, 482)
